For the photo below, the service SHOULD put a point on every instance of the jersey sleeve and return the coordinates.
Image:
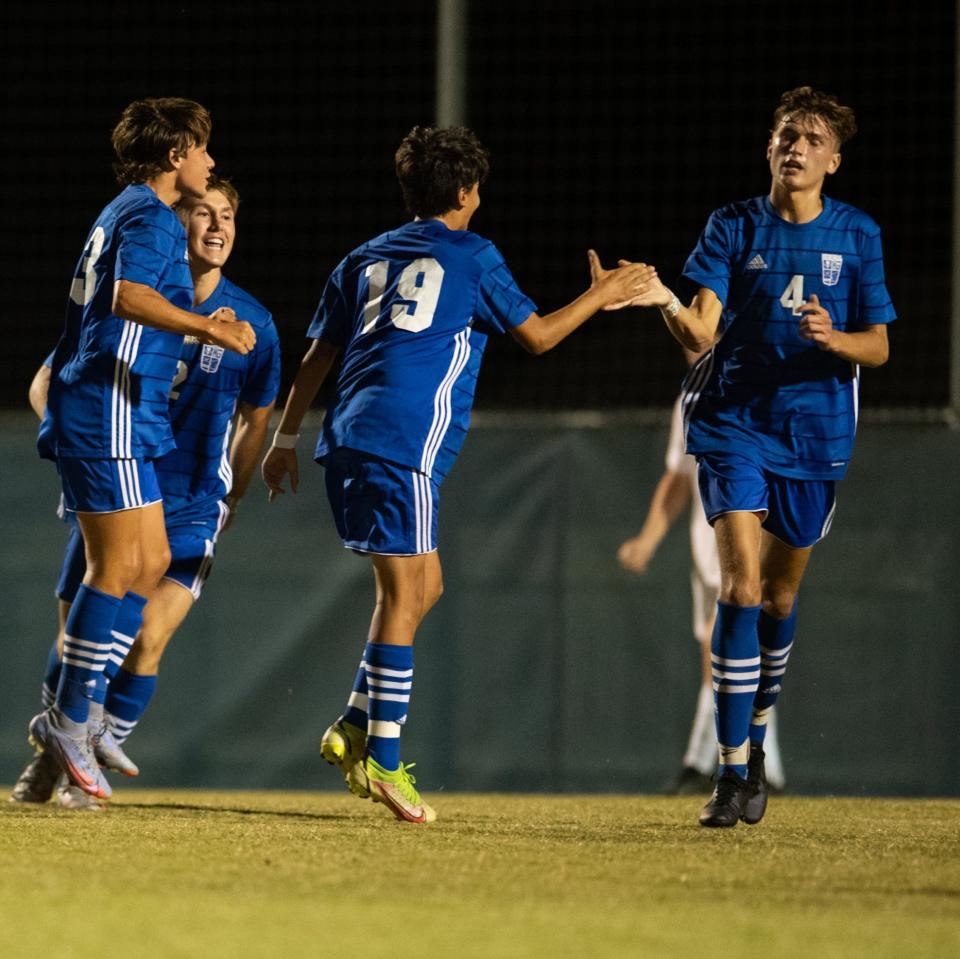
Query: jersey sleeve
(876, 307)
(501, 305)
(262, 382)
(709, 265)
(331, 321)
(147, 243)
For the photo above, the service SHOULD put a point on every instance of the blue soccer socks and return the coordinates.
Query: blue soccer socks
(389, 672)
(735, 656)
(86, 649)
(127, 698)
(125, 630)
(776, 641)
(356, 711)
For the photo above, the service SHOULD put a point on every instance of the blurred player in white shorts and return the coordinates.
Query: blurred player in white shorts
(677, 488)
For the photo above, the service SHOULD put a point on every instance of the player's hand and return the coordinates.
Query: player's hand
(277, 464)
(816, 324)
(620, 286)
(224, 329)
(634, 555)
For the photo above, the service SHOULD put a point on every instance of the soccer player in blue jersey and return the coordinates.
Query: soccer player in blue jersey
(202, 482)
(409, 313)
(108, 421)
(788, 294)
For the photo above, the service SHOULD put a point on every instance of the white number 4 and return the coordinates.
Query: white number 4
(792, 296)
(418, 290)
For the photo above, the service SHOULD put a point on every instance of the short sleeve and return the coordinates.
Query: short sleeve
(149, 240)
(709, 265)
(331, 321)
(876, 307)
(501, 305)
(262, 382)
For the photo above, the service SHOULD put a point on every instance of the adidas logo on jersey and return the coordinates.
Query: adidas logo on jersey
(757, 263)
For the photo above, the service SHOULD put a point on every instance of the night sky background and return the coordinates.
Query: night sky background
(618, 126)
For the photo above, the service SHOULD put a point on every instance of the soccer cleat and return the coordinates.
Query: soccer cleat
(75, 799)
(727, 802)
(690, 782)
(110, 754)
(70, 749)
(37, 781)
(756, 804)
(396, 790)
(343, 745)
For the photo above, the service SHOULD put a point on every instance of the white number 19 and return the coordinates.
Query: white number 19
(418, 290)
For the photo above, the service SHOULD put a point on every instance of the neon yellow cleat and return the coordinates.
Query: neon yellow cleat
(396, 790)
(343, 745)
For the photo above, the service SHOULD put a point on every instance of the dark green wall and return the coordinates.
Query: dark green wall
(544, 666)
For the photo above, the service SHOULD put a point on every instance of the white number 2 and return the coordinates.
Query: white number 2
(182, 371)
(418, 290)
(792, 296)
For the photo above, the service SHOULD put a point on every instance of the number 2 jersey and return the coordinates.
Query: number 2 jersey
(208, 384)
(110, 377)
(411, 311)
(763, 391)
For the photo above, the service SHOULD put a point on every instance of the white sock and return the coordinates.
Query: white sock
(773, 761)
(701, 751)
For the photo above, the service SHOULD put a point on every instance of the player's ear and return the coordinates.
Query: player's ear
(834, 163)
(174, 158)
(769, 148)
(462, 197)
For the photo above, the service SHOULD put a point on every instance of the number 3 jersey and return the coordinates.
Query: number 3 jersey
(411, 311)
(110, 376)
(763, 391)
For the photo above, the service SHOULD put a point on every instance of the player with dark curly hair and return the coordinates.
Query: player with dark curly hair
(410, 313)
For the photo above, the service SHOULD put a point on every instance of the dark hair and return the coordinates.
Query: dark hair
(805, 102)
(149, 129)
(433, 164)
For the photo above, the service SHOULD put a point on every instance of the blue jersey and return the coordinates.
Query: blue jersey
(208, 384)
(762, 390)
(110, 377)
(411, 312)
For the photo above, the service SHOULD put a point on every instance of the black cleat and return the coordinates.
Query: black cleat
(36, 782)
(757, 791)
(689, 782)
(726, 805)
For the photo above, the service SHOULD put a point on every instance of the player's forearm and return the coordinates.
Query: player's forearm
(247, 446)
(866, 347)
(545, 332)
(314, 368)
(142, 304)
(668, 501)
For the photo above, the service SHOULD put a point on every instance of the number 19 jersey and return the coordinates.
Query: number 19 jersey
(764, 391)
(411, 311)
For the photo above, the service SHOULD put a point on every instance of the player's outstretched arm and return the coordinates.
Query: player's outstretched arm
(693, 326)
(143, 304)
(245, 450)
(537, 334)
(668, 502)
(281, 458)
(868, 347)
(39, 387)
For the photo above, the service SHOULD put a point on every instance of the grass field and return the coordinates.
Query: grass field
(163, 875)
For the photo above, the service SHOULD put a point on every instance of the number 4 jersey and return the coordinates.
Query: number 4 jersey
(411, 312)
(763, 391)
(110, 377)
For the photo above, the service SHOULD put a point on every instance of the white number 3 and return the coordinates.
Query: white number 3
(418, 290)
(792, 296)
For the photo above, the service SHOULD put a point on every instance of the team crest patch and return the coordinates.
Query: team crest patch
(210, 358)
(830, 264)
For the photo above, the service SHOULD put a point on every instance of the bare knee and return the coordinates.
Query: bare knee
(740, 593)
(152, 569)
(431, 596)
(778, 602)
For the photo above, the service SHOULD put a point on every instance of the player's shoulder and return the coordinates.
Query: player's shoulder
(846, 216)
(737, 211)
(246, 306)
(138, 203)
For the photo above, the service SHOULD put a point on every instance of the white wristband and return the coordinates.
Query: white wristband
(285, 441)
(672, 308)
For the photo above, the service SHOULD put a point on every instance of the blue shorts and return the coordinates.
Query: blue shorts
(380, 507)
(107, 485)
(192, 550)
(797, 512)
